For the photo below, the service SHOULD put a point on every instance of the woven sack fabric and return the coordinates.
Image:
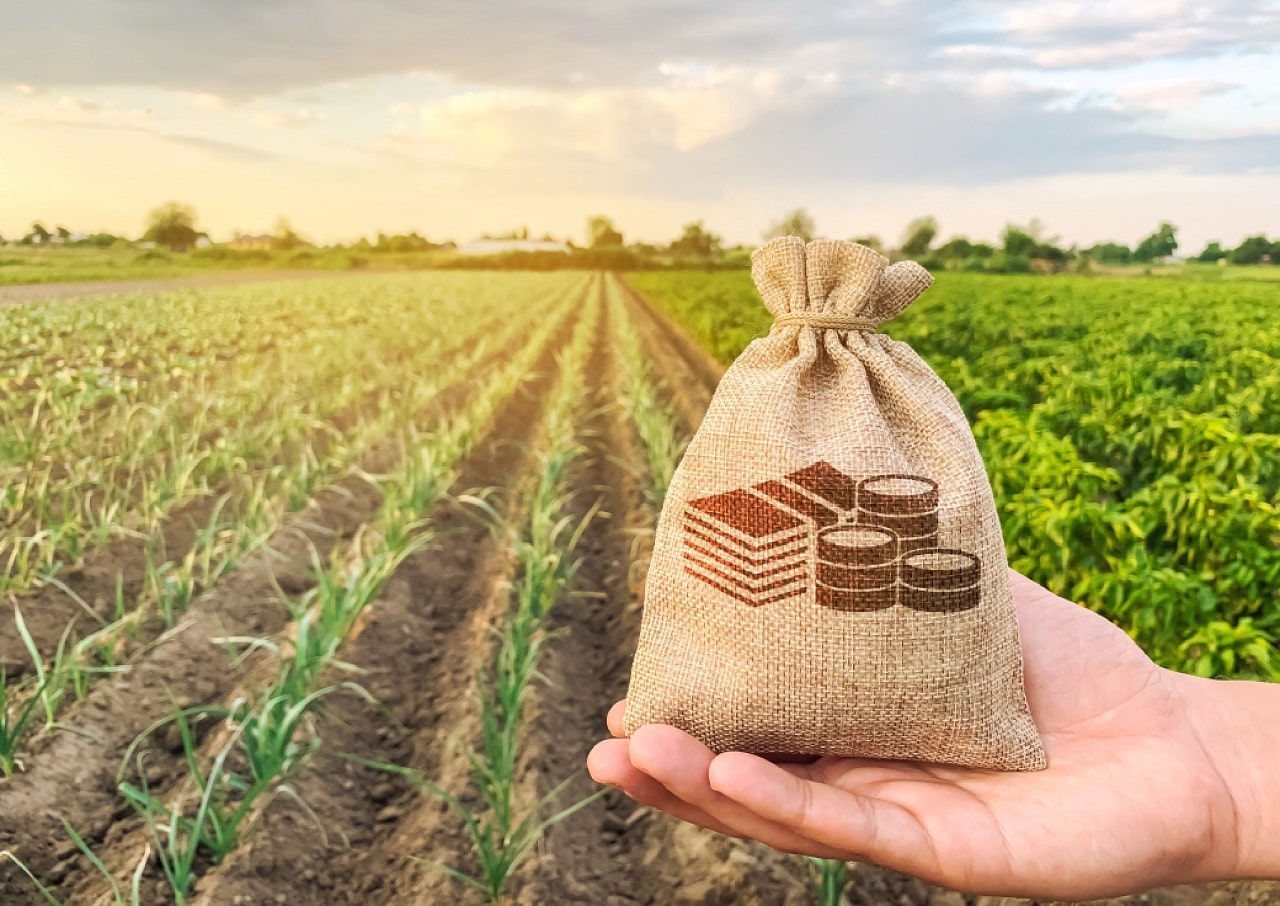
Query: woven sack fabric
(829, 576)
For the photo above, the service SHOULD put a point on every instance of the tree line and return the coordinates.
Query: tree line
(1020, 248)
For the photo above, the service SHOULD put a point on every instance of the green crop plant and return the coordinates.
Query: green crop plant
(179, 428)
(271, 733)
(832, 876)
(17, 709)
(498, 850)
(1220, 649)
(500, 837)
(263, 499)
(179, 832)
(660, 439)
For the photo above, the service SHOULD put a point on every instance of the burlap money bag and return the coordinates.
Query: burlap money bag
(829, 576)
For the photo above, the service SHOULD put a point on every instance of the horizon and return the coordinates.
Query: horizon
(1098, 122)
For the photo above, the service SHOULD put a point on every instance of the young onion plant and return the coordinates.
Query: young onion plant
(269, 736)
(501, 833)
(129, 451)
(660, 438)
(169, 586)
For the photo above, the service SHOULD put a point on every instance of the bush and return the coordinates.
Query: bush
(1004, 263)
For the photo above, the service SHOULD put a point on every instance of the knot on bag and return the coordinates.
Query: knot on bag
(833, 283)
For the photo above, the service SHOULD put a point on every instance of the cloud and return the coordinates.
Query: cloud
(1073, 34)
(291, 119)
(921, 130)
(237, 48)
(224, 149)
(1165, 97)
(669, 99)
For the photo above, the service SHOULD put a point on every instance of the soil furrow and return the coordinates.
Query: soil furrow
(419, 648)
(183, 669)
(594, 856)
(687, 373)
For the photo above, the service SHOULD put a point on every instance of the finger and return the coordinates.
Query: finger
(610, 763)
(886, 833)
(680, 763)
(617, 714)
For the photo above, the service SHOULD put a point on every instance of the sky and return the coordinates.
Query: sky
(458, 117)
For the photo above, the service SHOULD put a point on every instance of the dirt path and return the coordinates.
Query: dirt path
(21, 293)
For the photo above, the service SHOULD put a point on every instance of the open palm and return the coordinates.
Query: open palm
(1131, 797)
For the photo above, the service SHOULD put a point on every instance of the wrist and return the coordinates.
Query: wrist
(1239, 730)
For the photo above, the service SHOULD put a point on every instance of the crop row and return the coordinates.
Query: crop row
(74, 481)
(503, 829)
(266, 499)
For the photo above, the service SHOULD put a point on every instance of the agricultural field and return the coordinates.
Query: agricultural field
(317, 592)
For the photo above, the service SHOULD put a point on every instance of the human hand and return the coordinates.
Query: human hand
(1133, 796)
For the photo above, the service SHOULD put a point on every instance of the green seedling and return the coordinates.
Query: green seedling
(832, 876)
(498, 852)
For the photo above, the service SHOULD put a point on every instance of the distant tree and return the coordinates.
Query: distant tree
(37, 235)
(602, 234)
(1110, 253)
(919, 236)
(547, 237)
(173, 224)
(1212, 252)
(1160, 244)
(1250, 251)
(871, 242)
(1018, 241)
(795, 223)
(955, 247)
(695, 242)
(283, 237)
(101, 240)
(1049, 252)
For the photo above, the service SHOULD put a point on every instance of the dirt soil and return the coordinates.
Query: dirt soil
(366, 837)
